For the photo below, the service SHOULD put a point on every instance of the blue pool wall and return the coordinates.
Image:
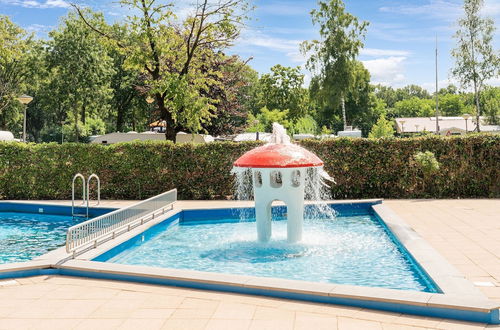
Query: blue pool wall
(193, 217)
(492, 317)
(52, 209)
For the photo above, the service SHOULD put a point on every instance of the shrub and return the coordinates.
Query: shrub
(362, 168)
(382, 128)
(427, 162)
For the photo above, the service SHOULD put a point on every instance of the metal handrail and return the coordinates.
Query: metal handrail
(78, 175)
(98, 191)
(95, 231)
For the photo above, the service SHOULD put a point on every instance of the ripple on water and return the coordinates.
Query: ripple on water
(352, 250)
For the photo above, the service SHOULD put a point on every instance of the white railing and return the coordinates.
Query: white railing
(98, 230)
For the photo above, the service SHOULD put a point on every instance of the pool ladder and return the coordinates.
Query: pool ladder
(85, 197)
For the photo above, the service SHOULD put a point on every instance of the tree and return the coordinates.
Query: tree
(236, 81)
(263, 122)
(450, 89)
(387, 94)
(383, 128)
(129, 109)
(476, 61)
(81, 71)
(452, 105)
(334, 56)
(490, 100)
(410, 91)
(282, 89)
(413, 107)
(15, 52)
(176, 58)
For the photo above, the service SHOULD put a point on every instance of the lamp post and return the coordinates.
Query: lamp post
(466, 117)
(256, 123)
(150, 100)
(25, 100)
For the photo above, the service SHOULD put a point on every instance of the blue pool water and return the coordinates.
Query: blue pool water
(353, 248)
(25, 234)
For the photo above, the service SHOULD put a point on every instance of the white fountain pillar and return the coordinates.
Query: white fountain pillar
(282, 184)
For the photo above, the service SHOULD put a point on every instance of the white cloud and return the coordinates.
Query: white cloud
(431, 86)
(38, 28)
(383, 52)
(38, 3)
(447, 10)
(289, 47)
(386, 71)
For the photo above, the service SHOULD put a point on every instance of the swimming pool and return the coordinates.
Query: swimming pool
(355, 248)
(25, 235)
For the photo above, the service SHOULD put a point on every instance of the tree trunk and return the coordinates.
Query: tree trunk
(76, 126)
(120, 119)
(84, 115)
(133, 120)
(170, 130)
(342, 103)
(478, 110)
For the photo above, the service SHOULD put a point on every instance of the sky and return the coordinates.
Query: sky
(399, 46)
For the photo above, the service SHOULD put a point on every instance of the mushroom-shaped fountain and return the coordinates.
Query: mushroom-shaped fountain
(278, 173)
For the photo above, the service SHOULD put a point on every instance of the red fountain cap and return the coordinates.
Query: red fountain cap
(277, 155)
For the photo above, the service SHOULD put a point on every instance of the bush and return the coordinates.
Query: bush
(362, 168)
(427, 162)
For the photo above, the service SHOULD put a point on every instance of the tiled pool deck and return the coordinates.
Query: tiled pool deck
(465, 232)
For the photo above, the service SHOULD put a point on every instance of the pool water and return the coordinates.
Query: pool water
(24, 236)
(353, 249)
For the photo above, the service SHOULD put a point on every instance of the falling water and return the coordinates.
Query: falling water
(317, 189)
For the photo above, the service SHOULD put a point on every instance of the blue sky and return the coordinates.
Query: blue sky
(399, 46)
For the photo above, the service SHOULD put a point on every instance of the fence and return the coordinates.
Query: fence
(110, 225)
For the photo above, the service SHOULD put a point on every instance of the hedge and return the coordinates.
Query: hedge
(362, 168)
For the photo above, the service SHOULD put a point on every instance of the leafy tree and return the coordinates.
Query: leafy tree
(236, 79)
(15, 53)
(476, 61)
(413, 107)
(450, 89)
(305, 125)
(383, 128)
(387, 94)
(410, 91)
(490, 100)
(334, 56)
(375, 109)
(452, 105)
(358, 102)
(282, 89)
(176, 59)
(263, 122)
(128, 107)
(81, 71)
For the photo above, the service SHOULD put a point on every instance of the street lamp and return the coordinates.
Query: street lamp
(466, 116)
(150, 100)
(256, 123)
(25, 99)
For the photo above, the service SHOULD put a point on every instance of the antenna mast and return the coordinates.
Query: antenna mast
(437, 96)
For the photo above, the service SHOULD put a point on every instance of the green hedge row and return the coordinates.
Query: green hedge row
(362, 168)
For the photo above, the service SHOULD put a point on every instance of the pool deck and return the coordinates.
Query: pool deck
(465, 232)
